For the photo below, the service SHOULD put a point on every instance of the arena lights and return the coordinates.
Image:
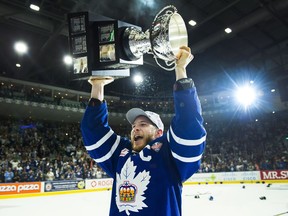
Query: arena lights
(249, 92)
(35, 5)
(68, 60)
(138, 79)
(246, 95)
(21, 47)
(228, 30)
(192, 23)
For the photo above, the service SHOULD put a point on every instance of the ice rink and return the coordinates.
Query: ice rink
(226, 199)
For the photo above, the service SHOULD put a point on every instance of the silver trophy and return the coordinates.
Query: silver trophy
(167, 33)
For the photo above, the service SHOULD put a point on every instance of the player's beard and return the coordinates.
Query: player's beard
(141, 143)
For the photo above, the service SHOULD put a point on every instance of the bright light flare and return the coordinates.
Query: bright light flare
(228, 30)
(34, 7)
(68, 60)
(138, 79)
(148, 3)
(21, 47)
(192, 23)
(246, 95)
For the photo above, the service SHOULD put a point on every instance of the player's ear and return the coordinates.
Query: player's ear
(159, 132)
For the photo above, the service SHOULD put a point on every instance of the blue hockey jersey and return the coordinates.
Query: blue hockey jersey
(148, 183)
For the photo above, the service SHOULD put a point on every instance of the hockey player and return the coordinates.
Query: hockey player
(149, 170)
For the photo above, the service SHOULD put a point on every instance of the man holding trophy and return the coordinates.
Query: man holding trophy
(149, 168)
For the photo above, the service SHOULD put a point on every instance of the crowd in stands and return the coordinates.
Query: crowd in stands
(244, 145)
(16, 91)
(35, 151)
(46, 151)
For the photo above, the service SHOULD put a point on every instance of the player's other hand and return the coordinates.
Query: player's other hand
(183, 57)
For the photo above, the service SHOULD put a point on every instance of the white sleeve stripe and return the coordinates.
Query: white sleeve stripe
(186, 159)
(100, 142)
(185, 141)
(110, 153)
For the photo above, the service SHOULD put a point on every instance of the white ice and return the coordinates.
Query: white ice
(232, 200)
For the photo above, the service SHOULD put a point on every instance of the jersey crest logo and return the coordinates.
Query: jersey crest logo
(130, 192)
(127, 192)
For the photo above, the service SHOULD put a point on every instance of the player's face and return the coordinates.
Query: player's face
(143, 131)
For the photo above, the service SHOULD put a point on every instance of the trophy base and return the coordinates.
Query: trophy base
(105, 74)
(102, 77)
(119, 73)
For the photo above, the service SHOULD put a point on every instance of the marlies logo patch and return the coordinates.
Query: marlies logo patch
(124, 152)
(130, 193)
(156, 146)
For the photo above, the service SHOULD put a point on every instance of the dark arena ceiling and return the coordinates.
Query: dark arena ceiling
(256, 48)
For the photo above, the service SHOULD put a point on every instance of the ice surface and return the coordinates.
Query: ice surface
(232, 200)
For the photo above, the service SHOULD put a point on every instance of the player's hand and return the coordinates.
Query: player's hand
(100, 80)
(183, 57)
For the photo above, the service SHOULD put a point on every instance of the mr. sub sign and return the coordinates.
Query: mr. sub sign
(274, 175)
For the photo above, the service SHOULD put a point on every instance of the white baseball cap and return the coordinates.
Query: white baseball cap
(133, 113)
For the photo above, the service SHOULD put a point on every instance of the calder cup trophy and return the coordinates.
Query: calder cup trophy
(110, 48)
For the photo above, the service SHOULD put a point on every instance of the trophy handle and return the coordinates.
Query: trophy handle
(167, 63)
(170, 9)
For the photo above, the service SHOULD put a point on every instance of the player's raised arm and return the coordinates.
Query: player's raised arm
(187, 136)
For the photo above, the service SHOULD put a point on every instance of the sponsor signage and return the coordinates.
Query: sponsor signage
(64, 185)
(274, 175)
(225, 176)
(99, 183)
(20, 188)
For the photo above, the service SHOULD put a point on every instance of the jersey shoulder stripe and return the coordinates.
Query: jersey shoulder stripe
(110, 152)
(101, 141)
(185, 142)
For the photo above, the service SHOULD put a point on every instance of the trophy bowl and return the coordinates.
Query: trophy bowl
(167, 33)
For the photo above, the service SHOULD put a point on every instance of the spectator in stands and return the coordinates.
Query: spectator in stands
(79, 172)
(14, 163)
(9, 175)
(99, 173)
(70, 174)
(39, 175)
(19, 168)
(57, 173)
(2, 178)
(50, 175)
(31, 176)
(17, 176)
(24, 176)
